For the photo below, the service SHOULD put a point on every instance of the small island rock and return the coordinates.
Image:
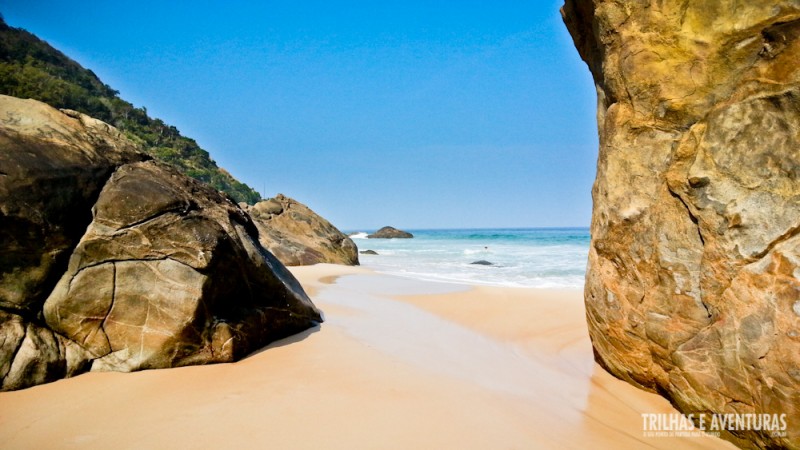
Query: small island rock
(390, 233)
(368, 252)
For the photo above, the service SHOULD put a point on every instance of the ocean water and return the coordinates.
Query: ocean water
(532, 257)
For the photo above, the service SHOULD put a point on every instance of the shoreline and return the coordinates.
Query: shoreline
(399, 363)
(549, 258)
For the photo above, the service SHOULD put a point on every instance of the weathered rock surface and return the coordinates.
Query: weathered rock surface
(52, 167)
(390, 233)
(693, 287)
(298, 236)
(115, 263)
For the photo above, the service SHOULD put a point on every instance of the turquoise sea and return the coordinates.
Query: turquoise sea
(530, 257)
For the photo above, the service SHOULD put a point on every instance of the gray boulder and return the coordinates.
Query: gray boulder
(141, 266)
(52, 167)
(298, 236)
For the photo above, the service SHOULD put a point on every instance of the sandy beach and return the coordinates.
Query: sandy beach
(399, 363)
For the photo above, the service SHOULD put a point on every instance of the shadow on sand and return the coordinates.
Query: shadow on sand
(286, 341)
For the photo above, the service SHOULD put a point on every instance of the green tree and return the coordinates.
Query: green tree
(31, 68)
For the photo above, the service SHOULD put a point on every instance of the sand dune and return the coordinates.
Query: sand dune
(398, 364)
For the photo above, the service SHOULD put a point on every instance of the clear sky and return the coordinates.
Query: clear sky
(416, 114)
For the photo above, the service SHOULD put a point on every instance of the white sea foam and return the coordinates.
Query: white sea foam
(476, 251)
(545, 258)
(359, 235)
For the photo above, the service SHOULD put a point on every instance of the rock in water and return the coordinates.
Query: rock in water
(482, 262)
(111, 262)
(298, 236)
(369, 252)
(390, 233)
(692, 289)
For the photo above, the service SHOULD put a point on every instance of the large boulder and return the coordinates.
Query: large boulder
(53, 165)
(140, 266)
(693, 284)
(390, 233)
(298, 236)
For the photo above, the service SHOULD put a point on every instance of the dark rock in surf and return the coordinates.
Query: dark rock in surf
(482, 262)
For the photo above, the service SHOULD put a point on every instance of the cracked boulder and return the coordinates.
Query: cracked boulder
(170, 273)
(157, 270)
(693, 283)
(52, 167)
(298, 236)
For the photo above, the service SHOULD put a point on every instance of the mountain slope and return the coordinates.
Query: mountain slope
(31, 68)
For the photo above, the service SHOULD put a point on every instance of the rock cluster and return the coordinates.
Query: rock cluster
(390, 233)
(298, 236)
(693, 286)
(111, 261)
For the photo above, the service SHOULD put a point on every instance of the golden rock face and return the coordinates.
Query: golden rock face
(693, 287)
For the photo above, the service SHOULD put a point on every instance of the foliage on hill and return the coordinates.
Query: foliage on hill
(31, 68)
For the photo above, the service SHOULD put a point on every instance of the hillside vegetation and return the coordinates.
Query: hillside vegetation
(31, 68)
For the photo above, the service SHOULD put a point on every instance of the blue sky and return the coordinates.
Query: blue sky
(417, 114)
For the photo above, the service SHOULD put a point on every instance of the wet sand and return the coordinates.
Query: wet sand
(398, 364)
